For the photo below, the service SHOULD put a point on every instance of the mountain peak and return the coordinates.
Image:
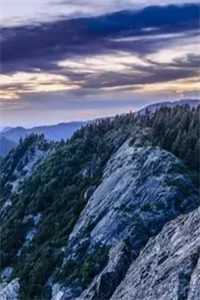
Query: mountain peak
(151, 108)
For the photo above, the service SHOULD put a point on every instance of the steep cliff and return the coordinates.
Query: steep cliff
(142, 189)
(110, 214)
(169, 266)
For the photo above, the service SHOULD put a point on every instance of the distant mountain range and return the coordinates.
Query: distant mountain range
(6, 145)
(152, 108)
(52, 132)
(9, 137)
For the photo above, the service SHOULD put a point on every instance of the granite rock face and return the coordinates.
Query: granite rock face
(10, 291)
(168, 267)
(27, 163)
(137, 237)
(142, 189)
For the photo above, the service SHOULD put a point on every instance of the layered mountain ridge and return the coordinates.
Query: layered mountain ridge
(10, 137)
(110, 214)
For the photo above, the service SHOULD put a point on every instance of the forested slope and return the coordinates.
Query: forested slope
(75, 215)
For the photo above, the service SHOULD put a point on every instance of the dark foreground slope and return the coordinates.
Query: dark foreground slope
(78, 217)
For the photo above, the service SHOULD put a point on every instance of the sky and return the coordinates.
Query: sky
(64, 60)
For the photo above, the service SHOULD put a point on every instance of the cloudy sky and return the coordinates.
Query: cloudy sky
(64, 60)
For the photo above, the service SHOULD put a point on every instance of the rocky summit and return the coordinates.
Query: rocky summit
(111, 214)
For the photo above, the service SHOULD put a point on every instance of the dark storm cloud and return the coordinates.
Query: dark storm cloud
(28, 47)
